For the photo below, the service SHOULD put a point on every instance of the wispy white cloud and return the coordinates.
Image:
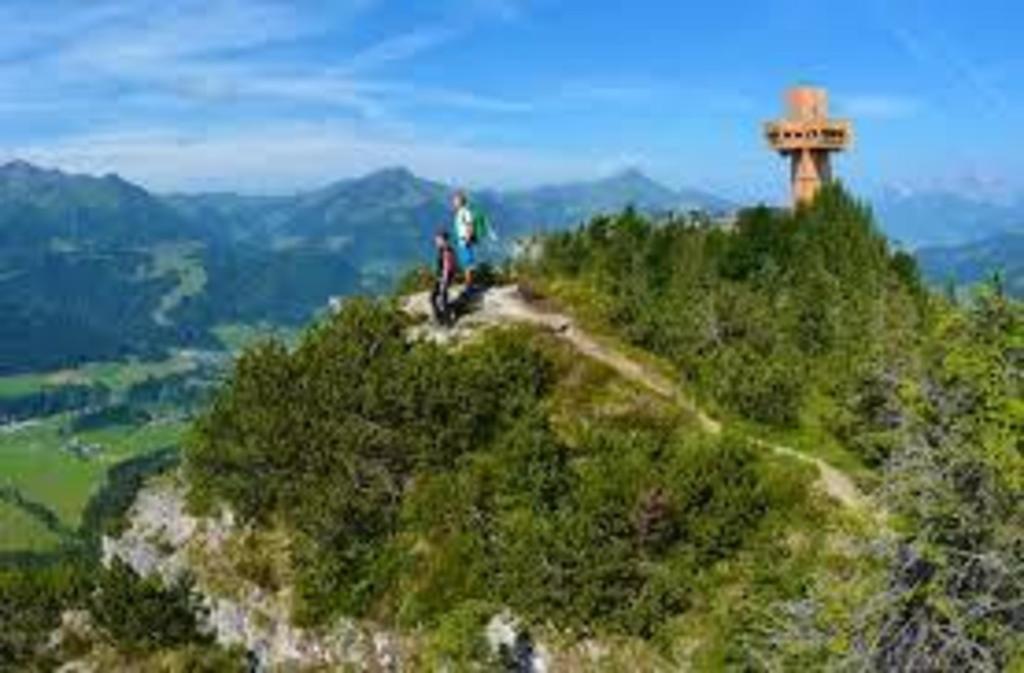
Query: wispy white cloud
(212, 94)
(37, 30)
(505, 9)
(290, 156)
(208, 51)
(646, 92)
(400, 48)
(189, 29)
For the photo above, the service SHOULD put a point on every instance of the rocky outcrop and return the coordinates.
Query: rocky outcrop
(162, 538)
(510, 643)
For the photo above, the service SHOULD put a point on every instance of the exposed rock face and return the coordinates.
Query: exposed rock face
(512, 645)
(164, 539)
(498, 306)
(158, 535)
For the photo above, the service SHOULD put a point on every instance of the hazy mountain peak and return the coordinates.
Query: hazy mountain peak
(24, 170)
(19, 165)
(116, 179)
(943, 217)
(631, 174)
(392, 172)
(38, 205)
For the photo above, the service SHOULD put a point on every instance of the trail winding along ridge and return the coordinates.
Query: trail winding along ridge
(507, 305)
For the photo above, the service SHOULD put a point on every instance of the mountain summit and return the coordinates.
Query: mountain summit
(38, 206)
(560, 205)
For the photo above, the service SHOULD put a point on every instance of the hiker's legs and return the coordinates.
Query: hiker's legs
(439, 302)
(434, 295)
(467, 260)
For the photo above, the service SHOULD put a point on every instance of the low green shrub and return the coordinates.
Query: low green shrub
(140, 615)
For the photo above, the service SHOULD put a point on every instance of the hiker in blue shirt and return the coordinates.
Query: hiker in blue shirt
(465, 237)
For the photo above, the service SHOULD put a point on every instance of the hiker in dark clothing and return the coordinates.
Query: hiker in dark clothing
(444, 313)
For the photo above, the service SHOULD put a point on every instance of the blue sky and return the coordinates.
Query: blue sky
(272, 96)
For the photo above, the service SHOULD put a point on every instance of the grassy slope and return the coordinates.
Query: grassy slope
(709, 635)
(181, 260)
(118, 376)
(811, 437)
(21, 532)
(23, 384)
(236, 337)
(589, 395)
(34, 461)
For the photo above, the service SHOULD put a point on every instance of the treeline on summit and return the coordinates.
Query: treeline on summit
(765, 320)
(806, 325)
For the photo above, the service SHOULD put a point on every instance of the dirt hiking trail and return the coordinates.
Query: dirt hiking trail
(507, 305)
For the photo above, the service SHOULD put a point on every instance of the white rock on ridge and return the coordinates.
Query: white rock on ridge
(156, 538)
(502, 631)
(508, 640)
(496, 306)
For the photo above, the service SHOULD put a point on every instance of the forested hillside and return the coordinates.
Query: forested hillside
(100, 269)
(784, 321)
(383, 222)
(78, 271)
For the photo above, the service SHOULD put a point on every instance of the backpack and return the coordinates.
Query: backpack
(481, 226)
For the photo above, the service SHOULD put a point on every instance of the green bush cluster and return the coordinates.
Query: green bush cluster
(946, 591)
(141, 615)
(31, 603)
(611, 541)
(423, 484)
(330, 438)
(761, 317)
(131, 619)
(960, 481)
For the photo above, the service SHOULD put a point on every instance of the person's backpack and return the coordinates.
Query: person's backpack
(481, 226)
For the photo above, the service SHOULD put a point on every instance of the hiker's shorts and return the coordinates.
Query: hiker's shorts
(467, 256)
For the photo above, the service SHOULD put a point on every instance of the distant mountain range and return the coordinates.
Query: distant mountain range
(977, 262)
(958, 239)
(42, 209)
(384, 220)
(99, 268)
(937, 219)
